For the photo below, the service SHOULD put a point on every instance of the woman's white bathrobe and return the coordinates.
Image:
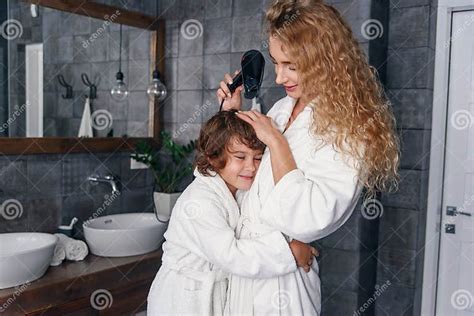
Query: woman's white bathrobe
(307, 204)
(201, 250)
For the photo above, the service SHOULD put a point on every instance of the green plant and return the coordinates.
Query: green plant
(167, 172)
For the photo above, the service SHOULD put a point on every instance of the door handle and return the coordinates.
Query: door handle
(452, 211)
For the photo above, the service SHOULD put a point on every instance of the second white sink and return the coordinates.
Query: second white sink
(123, 235)
(24, 257)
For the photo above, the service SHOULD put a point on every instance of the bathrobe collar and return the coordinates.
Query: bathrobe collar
(282, 110)
(218, 185)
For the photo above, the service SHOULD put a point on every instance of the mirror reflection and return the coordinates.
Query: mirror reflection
(68, 75)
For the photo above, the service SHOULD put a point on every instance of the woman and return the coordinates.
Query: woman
(331, 136)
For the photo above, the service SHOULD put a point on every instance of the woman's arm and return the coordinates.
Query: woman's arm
(280, 152)
(310, 203)
(213, 239)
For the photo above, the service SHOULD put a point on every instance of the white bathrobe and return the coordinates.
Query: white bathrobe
(307, 204)
(201, 250)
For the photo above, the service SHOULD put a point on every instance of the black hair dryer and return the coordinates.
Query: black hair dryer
(251, 75)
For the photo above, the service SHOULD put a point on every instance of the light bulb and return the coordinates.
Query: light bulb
(157, 88)
(119, 91)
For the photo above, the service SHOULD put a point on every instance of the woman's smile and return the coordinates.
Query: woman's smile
(291, 88)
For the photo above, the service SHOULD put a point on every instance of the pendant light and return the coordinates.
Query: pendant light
(156, 89)
(119, 91)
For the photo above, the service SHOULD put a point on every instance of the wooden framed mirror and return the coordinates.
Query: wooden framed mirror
(59, 144)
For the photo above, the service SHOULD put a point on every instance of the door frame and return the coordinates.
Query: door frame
(437, 150)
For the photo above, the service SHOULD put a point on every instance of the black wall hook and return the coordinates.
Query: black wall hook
(92, 86)
(62, 82)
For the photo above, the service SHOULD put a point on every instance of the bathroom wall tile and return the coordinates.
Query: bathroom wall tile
(138, 201)
(137, 129)
(13, 218)
(246, 33)
(113, 45)
(247, 7)
(139, 75)
(218, 8)
(138, 107)
(190, 73)
(217, 35)
(191, 39)
(215, 66)
(13, 176)
(139, 43)
(44, 174)
(44, 214)
(189, 106)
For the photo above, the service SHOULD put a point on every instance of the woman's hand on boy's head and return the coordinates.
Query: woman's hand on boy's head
(231, 100)
(263, 125)
(304, 254)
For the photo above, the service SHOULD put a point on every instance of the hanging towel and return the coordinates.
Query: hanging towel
(85, 130)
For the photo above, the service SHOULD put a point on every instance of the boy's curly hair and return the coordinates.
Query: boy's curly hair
(215, 137)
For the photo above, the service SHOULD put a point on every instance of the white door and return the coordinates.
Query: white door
(456, 266)
(34, 90)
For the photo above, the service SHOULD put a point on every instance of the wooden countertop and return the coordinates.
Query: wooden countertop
(71, 281)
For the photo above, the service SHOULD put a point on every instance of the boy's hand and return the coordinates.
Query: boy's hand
(303, 253)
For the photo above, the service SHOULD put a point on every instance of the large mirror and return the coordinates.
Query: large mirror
(60, 65)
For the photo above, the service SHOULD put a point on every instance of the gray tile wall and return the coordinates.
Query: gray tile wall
(72, 45)
(410, 72)
(51, 189)
(44, 191)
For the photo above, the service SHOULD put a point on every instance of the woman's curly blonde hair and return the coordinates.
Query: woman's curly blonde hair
(350, 110)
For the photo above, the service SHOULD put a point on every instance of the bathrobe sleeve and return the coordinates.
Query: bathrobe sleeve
(214, 239)
(313, 201)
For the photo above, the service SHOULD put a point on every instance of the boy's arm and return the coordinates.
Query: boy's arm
(264, 257)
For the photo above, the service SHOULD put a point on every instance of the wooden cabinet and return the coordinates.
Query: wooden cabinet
(119, 285)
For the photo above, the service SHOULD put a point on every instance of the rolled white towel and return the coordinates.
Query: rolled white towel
(76, 250)
(59, 255)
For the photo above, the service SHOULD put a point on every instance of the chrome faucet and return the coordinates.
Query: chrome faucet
(107, 179)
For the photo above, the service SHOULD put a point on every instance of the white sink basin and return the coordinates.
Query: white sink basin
(123, 235)
(24, 257)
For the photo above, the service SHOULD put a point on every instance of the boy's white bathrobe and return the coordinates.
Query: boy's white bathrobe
(307, 204)
(201, 250)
